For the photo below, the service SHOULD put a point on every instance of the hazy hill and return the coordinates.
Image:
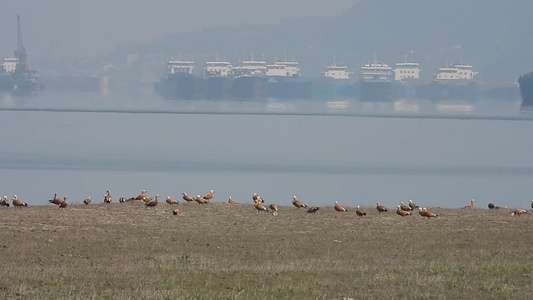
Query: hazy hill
(490, 34)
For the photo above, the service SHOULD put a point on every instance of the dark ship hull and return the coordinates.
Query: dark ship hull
(448, 91)
(281, 87)
(181, 86)
(380, 91)
(250, 88)
(526, 90)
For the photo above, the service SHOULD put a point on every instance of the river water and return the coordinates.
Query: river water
(437, 154)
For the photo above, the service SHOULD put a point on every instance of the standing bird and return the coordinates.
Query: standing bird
(360, 212)
(404, 207)
(56, 200)
(260, 207)
(338, 207)
(187, 197)
(273, 207)
(64, 203)
(171, 201)
(141, 196)
(107, 197)
(429, 214)
(152, 203)
(313, 209)
(18, 203)
(257, 199)
(87, 201)
(402, 212)
(412, 205)
(176, 212)
(518, 212)
(469, 206)
(4, 202)
(200, 199)
(209, 195)
(231, 200)
(297, 203)
(380, 208)
(531, 203)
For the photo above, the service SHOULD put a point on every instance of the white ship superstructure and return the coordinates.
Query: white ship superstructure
(376, 71)
(250, 68)
(337, 72)
(218, 69)
(284, 68)
(456, 72)
(406, 71)
(177, 66)
(9, 64)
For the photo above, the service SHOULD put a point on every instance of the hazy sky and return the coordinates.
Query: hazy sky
(95, 28)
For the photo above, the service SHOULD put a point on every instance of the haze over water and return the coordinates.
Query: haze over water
(438, 154)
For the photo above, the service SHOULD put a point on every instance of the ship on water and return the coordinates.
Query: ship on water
(180, 81)
(525, 83)
(333, 84)
(376, 82)
(286, 82)
(453, 82)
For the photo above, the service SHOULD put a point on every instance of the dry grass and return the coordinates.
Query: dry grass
(224, 251)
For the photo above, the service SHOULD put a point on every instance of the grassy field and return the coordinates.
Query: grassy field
(224, 251)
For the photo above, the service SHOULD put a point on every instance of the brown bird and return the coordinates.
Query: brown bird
(152, 203)
(360, 212)
(141, 196)
(176, 211)
(421, 212)
(429, 214)
(4, 202)
(209, 195)
(531, 203)
(412, 205)
(313, 209)
(87, 201)
(64, 203)
(147, 199)
(18, 203)
(297, 202)
(492, 206)
(56, 200)
(404, 207)
(260, 207)
(257, 199)
(338, 207)
(518, 212)
(231, 200)
(200, 199)
(187, 197)
(171, 201)
(380, 208)
(469, 206)
(107, 197)
(402, 212)
(273, 207)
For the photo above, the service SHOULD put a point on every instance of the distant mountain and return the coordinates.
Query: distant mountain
(492, 35)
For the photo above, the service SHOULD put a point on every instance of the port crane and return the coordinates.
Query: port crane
(25, 80)
(20, 53)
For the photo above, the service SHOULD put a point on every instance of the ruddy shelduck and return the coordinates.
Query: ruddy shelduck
(380, 208)
(56, 200)
(360, 212)
(17, 202)
(87, 201)
(421, 212)
(404, 207)
(200, 199)
(273, 207)
(153, 203)
(402, 212)
(531, 203)
(469, 206)
(412, 205)
(4, 202)
(257, 199)
(171, 201)
(176, 211)
(260, 207)
(209, 195)
(297, 203)
(231, 200)
(429, 214)
(186, 197)
(338, 207)
(64, 203)
(313, 209)
(518, 212)
(107, 197)
(492, 206)
(141, 196)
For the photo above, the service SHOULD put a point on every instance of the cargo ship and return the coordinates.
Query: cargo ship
(525, 83)
(286, 82)
(333, 84)
(454, 82)
(376, 82)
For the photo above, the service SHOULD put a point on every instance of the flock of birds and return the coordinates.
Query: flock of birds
(401, 209)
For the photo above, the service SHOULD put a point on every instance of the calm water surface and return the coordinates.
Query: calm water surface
(438, 154)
